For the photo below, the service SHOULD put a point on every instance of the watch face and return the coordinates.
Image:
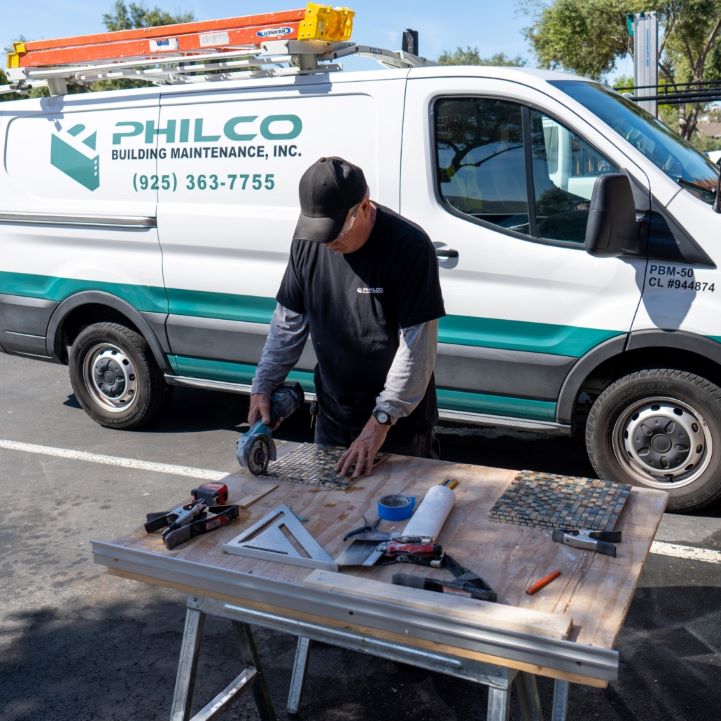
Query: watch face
(382, 417)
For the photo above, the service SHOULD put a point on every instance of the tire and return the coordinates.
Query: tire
(115, 377)
(660, 429)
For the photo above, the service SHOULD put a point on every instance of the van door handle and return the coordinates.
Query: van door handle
(446, 253)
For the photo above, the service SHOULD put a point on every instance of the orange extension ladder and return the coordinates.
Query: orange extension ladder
(269, 44)
(315, 22)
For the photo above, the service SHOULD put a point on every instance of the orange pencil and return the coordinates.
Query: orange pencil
(538, 585)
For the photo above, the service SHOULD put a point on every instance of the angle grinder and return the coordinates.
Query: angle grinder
(255, 449)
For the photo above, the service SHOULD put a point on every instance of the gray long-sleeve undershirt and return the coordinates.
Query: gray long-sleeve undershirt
(407, 378)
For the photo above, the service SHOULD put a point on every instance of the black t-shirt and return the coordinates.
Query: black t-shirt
(356, 303)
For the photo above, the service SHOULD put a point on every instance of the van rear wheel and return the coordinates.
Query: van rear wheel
(660, 429)
(115, 377)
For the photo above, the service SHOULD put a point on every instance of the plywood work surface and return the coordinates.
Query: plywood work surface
(593, 591)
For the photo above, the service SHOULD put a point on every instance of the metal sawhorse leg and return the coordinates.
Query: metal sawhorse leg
(500, 684)
(251, 677)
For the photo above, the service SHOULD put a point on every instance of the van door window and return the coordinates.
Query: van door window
(481, 163)
(565, 168)
(480, 160)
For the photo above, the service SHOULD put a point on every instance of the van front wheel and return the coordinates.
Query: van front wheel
(660, 429)
(115, 377)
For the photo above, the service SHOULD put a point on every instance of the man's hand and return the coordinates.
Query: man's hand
(259, 408)
(363, 450)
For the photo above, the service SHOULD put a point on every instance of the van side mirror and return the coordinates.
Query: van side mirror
(612, 229)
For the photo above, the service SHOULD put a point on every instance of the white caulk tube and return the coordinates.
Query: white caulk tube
(428, 520)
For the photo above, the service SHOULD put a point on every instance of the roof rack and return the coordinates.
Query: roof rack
(290, 42)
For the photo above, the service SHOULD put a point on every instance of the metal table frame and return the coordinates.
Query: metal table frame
(500, 680)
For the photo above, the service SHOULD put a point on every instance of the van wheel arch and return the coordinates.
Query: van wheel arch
(83, 309)
(613, 359)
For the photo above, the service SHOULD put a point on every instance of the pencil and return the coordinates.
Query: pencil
(538, 585)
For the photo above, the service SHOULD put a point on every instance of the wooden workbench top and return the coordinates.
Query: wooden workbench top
(593, 591)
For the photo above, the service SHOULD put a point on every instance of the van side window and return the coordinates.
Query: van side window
(565, 168)
(480, 160)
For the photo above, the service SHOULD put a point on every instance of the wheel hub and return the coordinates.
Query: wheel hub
(110, 377)
(662, 442)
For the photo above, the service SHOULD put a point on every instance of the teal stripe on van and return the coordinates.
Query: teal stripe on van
(145, 298)
(521, 335)
(226, 306)
(562, 340)
(228, 372)
(526, 408)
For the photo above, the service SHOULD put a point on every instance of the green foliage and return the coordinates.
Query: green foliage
(588, 36)
(583, 36)
(4, 81)
(123, 17)
(129, 17)
(472, 56)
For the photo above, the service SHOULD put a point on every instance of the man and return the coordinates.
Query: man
(364, 282)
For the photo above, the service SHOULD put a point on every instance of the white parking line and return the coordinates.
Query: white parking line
(202, 473)
(658, 547)
(689, 552)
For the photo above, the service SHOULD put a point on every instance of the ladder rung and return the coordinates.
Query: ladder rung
(153, 48)
(314, 22)
(159, 31)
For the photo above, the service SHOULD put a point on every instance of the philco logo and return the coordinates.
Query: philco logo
(274, 32)
(370, 290)
(73, 152)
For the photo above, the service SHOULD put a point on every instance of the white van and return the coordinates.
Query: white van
(143, 236)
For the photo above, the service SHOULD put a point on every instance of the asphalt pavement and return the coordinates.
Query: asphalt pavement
(79, 645)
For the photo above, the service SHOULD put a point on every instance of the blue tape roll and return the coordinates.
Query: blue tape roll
(396, 507)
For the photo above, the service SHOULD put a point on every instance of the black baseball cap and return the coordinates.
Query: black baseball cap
(328, 190)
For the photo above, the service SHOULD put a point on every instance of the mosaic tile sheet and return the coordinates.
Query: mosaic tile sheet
(552, 501)
(313, 465)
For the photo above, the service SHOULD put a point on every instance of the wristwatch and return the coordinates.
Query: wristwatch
(382, 418)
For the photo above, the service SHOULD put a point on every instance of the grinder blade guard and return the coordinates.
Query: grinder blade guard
(255, 449)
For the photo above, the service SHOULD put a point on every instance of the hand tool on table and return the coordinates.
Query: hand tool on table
(175, 518)
(211, 518)
(369, 546)
(366, 529)
(212, 493)
(464, 580)
(201, 515)
(255, 449)
(209, 494)
(589, 540)
(281, 536)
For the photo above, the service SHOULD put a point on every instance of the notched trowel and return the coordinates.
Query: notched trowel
(255, 449)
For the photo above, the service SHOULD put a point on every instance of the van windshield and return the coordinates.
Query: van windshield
(675, 156)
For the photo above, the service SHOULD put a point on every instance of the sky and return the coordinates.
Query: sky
(491, 25)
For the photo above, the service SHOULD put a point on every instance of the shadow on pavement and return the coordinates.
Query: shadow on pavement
(117, 661)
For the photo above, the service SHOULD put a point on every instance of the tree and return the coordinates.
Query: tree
(127, 17)
(124, 17)
(472, 56)
(588, 37)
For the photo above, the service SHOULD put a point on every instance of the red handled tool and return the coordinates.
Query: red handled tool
(212, 493)
(205, 513)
